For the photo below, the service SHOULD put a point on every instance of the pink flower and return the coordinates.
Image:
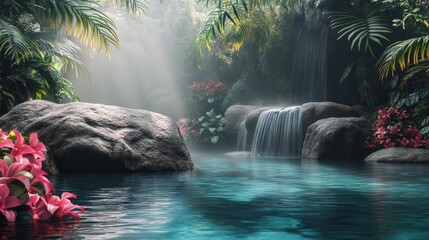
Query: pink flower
(395, 129)
(389, 143)
(7, 202)
(404, 142)
(49, 206)
(38, 147)
(3, 135)
(384, 113)
(39, 183)
(20, 149)
(14, 172)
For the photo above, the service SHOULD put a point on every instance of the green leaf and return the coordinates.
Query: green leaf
(363, 27)
(347, 71)
(412, 99)
(425, 121)
(17, 188)
(214, 139)
(425, 130)
(212, 130)
(25, 173)
(39, 188)
(9, 159)
(245, 5)
(24, 198)
(210, 99)
(211, 113)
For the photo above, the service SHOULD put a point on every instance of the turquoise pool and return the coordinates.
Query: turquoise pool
(247, 199)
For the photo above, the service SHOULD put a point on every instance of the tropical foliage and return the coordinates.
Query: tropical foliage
(236, 22)
(405, 53)
(35, 50)
(362, 26)
(208, 128)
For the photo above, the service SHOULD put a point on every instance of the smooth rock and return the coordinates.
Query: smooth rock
(252, 118)
(314, 111)
(399, 155)
(234, 116)
(336, 139)
(84, 137)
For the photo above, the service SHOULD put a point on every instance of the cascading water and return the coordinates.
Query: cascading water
(310, 68)
(242, 137)
(278, 133)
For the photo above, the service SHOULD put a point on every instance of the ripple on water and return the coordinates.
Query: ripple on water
(246, 199)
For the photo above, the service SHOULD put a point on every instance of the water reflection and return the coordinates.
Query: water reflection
(270, 198)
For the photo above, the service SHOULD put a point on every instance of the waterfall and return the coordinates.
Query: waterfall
(242, 137)
(309, 67)
(278, 133)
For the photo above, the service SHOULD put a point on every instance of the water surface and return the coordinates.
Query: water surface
(247, 199)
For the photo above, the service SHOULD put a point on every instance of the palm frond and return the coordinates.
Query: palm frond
(82, 20)
(234, 30)
(400, 55)
(13, 43)
(363, 27)
(248, 5)
(257, 28)
(421, 69)
(134, 6)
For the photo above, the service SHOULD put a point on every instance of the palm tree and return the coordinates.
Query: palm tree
(238, 21)
(35, 50)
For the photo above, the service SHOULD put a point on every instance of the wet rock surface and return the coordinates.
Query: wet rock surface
(399, 155)
(84, 137)
(336, 139)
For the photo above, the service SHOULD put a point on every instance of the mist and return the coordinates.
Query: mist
(147, 70)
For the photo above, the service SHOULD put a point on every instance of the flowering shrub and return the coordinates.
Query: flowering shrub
(210, 89)
(188, 128)
(207, 128)
(23, 183)
(395, 128)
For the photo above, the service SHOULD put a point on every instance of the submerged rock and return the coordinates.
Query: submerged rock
(336, 139)
(84, 137)
(238, 154)
(400, 155)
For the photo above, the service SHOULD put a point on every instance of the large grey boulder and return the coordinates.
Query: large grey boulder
(84, 137)
(400, 155)
(314, 111)
(336, 139)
